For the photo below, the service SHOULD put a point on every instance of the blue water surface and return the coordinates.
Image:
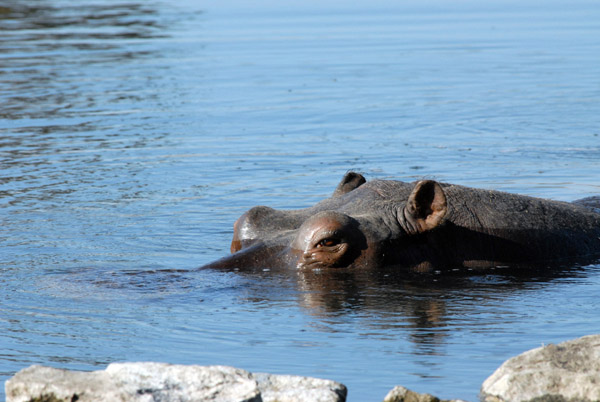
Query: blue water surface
(134, 133)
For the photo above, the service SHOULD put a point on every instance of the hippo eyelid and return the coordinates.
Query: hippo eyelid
(329, 242)
(328, 235)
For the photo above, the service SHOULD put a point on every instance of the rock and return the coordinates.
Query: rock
(401, 394)
(166, 382)
(146, 382)
(569, 371)
(290, 388)
(50, 384)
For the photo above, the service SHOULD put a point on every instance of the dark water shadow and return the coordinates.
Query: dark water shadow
(140, 17)
(426, 306)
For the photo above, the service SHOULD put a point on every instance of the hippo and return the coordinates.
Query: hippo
(423, 226)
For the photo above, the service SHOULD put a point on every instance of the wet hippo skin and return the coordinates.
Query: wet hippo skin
(420, 226)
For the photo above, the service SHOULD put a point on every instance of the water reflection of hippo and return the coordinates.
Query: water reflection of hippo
(422, 226)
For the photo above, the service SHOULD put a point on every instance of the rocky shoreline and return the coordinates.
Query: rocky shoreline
(569, 371)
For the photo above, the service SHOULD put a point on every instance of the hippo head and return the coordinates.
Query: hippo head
(362, 225)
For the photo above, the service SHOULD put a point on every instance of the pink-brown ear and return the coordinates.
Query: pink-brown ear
(426, 207)
(350, 181)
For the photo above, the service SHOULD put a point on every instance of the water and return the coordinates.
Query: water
(133, 134)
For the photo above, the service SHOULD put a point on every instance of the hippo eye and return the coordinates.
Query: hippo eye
(329, 242)
(327, 239)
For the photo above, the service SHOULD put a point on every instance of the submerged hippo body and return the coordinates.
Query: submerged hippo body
(420, 226)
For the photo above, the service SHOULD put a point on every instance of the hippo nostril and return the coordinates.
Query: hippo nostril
(236, 245)
(248, 227)
(260, 223)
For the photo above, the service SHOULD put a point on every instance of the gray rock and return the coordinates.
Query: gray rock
(167, 382)
(291, 388)
(62, 385)
(401, 394)
(569, 371)
(146, 382)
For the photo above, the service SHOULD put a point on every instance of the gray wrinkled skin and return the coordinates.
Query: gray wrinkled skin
(421, 226)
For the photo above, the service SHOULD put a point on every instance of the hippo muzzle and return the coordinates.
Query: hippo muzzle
(328, 239)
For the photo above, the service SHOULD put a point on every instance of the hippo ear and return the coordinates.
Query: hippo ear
(426, 206)
(350, 181)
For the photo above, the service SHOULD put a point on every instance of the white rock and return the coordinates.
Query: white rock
(139, 382)
(147, 382)
(569, 371)
(291, 388)
(38, 381)
(167, 382)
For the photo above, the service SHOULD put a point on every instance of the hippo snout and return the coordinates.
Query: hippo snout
(256, 224)
(325, 239)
